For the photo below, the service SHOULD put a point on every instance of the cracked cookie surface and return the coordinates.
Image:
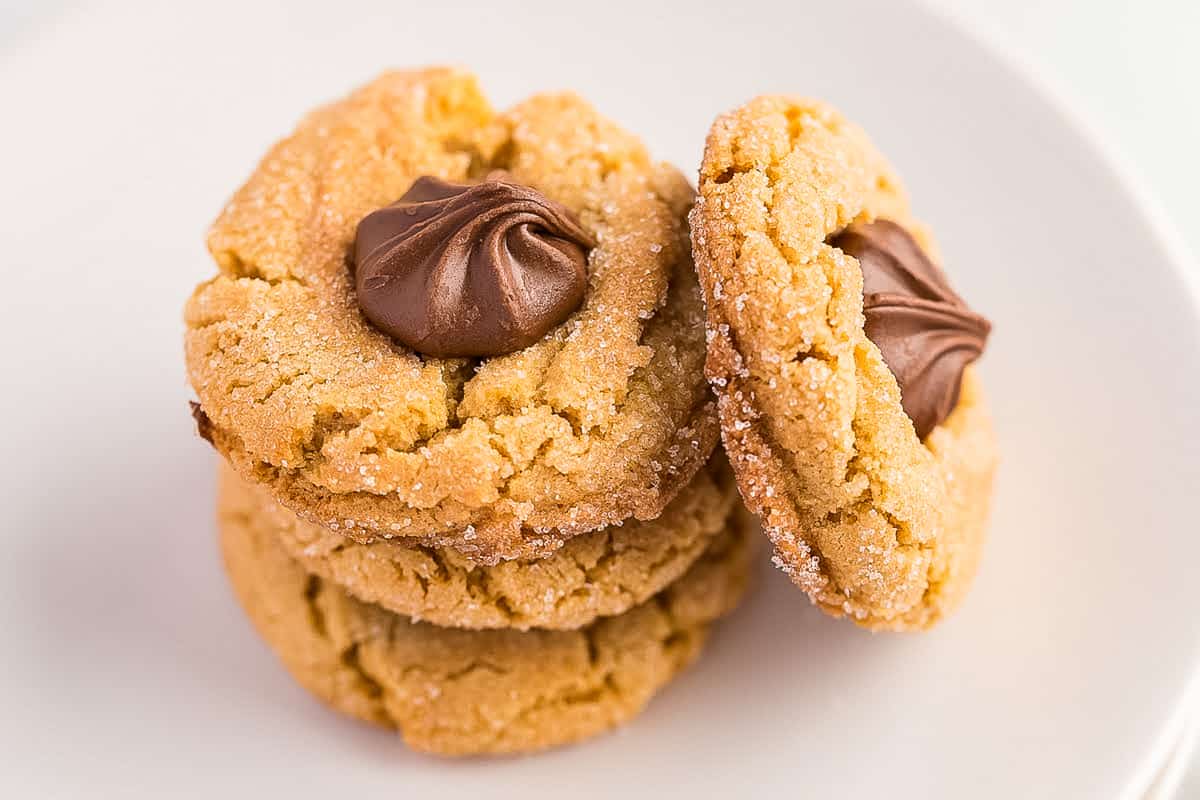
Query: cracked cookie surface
(869, 520)
(597, 574)
(605, 418)
(460, 692)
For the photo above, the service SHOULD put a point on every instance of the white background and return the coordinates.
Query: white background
(1130, 66)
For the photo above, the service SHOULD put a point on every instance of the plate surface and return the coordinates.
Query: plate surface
(127, 669)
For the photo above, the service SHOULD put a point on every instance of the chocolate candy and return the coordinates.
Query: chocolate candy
(470, 269)
(926, 333)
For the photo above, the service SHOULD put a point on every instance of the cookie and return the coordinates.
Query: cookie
(297, 348)
(460, 692)
(597, 574)
(856, 425)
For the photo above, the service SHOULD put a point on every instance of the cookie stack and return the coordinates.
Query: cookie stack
(453, 360)
(456, 364)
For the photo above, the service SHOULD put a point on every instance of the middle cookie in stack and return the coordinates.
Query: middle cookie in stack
(464, 350)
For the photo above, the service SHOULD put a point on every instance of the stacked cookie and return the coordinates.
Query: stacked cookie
(453, 361)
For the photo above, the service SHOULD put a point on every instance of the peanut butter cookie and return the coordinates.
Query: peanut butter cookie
(472, 329)
(597, 574)
(855, 424)
(461, 692)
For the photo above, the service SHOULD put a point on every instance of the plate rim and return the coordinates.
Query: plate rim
(1051, 91)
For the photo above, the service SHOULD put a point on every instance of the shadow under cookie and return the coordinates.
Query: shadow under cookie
(459, 692)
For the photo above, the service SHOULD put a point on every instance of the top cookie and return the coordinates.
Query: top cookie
(871, 520)
(603, 418)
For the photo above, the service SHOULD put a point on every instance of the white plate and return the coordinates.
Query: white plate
(127, 669)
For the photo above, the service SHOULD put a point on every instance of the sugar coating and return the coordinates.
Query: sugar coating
(597, 574)
(458, 692)
(605, 418)
(870, 521)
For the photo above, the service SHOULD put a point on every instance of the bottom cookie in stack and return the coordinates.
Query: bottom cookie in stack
(541, 654)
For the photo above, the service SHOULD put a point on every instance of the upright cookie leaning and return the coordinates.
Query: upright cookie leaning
(345, 359)
(841, 357)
